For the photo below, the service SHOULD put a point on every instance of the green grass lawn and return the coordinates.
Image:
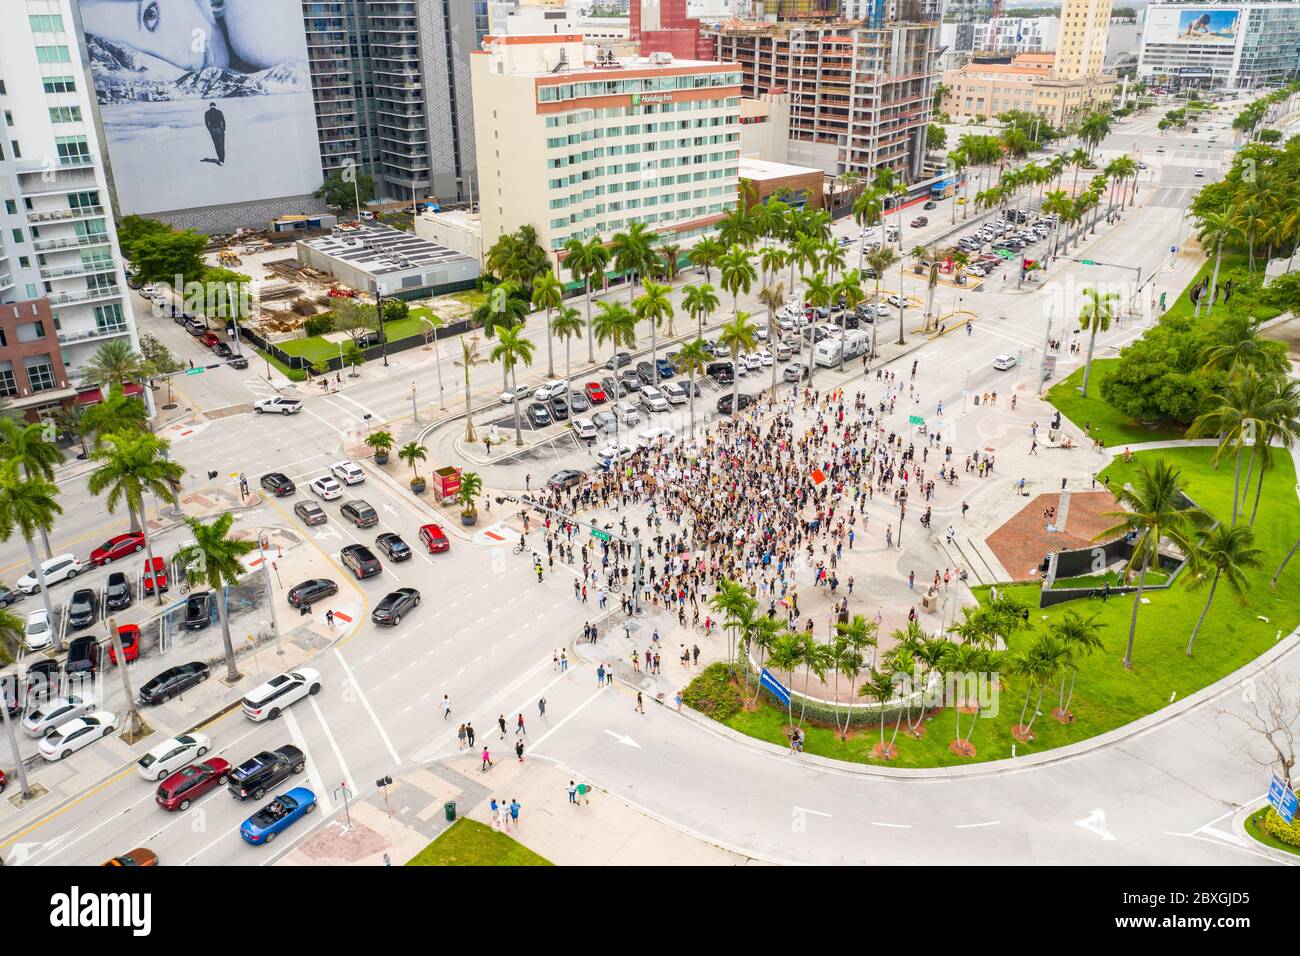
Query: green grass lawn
(470, 843)
(1094, 413)
(1106, 695)
(1183, 305)
(1098, 580)
(1254, 829)
(293, 374)
(319, 349)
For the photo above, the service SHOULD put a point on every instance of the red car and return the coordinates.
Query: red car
(159, 573)
(210, 339)
(130, 636)
(186, 785)
(595, 394)
(118, 547)
(434, 538)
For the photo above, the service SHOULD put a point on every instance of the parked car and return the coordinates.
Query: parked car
(260, 772)
(267, 701)
(238, 361)
(277, 816)
(83, 656)
(920, 221)
(348, 472)
(519, 392)
(361, 561)
(584, 429)
(8, 596)
(605, 421)
(41, 680)
(310, 513)
(40, 720)
(129, 636)
(117, 592)
(559, 408)
(199, 608)
(578, 403)
(539, 416)
(618, 360)
(550, 389)
(660, 436)
(434, 538)
(612, 454)
(627, 413)
(389, 611)
(795, 372)
(223, 350)
(653, 400)
(674, 392)
(278, 484)
(278, 406)
(392, 545)
(306, 593)
(117, 547)
(645, 372)
(595, 393)
(186, 785)
(665, 367)
(71, 736)
(155, 577)
(564, 478)
(326, 488)
(37, 634)
(61, 567)
(360, 513)
(165, 758)
(209, 339)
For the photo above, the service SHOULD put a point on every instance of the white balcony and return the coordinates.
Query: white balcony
(64, 215)
(84, 335)
(58, 299)
(70, 242)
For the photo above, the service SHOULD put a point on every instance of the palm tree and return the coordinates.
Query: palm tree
(787, 654)
(866, 213)
(1038, 665)
(738, 336)
(961, 659)
(1237, 419)
(504, 309)
(772, 296)
(548, 294)
(1155, 508)
(734, 604)
(1057, 203)
(1237, 344)
(858, 633)
(959, 161)
(115, 363)
(670, 254)
(1250, 218)
(11, 633)
(654, 306)
(116, 412)
(832, 259)
(1094, 128)
(512, 349)
(1081, 636)
(128, 467)
(213, 561)
(30, 507)
(1279, 429)
(633, 253)
(469, 358)
(880, 688)
(772, 259)
(879, 260)
(819, 294)
(568, 325)
(1230, 552)
(586, 260)
(26, 444)
(816, 661)
(615, 323)
(804, 254)
(413, 453)
(1078, 158)
(737, 274)
(693, 359)
(705, 253)
(1216, 230)
(737, 228)
(1099, 308)
(699, 301)
(763, 634)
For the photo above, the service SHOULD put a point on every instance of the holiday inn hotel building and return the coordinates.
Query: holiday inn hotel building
(578, 143)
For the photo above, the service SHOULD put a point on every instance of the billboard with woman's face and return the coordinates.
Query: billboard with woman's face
(203, 102)
(1192, 25)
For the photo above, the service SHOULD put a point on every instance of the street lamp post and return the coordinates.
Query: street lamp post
(437, 360)
(379, 308)
(263, 541)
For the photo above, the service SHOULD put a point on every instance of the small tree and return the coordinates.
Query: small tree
(395, 310)
(354, 358)
(354, 317)
(412, 453)
(471, 486)
(382, 443)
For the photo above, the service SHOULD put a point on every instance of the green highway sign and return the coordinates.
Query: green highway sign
(600, 535)
(197, 370)
(1088, 262)
(915, 420)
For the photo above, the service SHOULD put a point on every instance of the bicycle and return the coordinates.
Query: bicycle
(705, 629)
(615, 586)
(519, 549)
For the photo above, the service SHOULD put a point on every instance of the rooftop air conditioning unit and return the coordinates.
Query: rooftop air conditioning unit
(661, 57)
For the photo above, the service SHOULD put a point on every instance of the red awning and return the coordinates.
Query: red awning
(130, 388)
(92, 397)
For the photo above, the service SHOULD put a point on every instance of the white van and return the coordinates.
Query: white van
(654, 436)
(891, 233)
(675, 394)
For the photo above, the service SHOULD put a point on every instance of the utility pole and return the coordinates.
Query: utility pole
(13, 739)
(1047, 338)
(263, 540)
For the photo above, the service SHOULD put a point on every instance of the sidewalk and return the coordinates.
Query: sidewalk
(603, 832)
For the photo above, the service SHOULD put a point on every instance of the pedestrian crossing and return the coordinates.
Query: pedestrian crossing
(1172, 197)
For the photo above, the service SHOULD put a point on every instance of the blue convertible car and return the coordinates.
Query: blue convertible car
(278, 815)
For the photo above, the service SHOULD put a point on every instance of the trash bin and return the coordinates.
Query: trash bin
(449, 808)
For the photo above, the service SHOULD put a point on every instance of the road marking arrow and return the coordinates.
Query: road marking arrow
(1095, 822)
(389, 508)
(625, 740)
(22, 852)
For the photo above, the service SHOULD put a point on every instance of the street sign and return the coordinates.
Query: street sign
(197, 370)
(600, 535)
(915, 420)
(779, 690)
(1282, 798)
(1088, 262)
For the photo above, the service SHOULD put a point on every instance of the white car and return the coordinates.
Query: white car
(149, 291)
(556, 387)
(172, 754)
(61, 567)
(610, 454)
(896, 301)
(1004, 362)
(519, 391)
(37, 635)
(653, 399)
(883, 310)
(266, 702)
(656, 436)
(584, 429)
(760, 333)
(785, 323)
(52, 713)
(765, 358)
(278, 406)
(1200, 173)
(326, 487)
(751, 362)
(348, 472)
(627, 413)
(675, 394)
(70, 736)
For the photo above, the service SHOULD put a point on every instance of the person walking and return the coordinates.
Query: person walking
(564, 661)
(541, 707)
(487, 759)
(329, 619)
(600, 675)
(519, 726)
(494, 809)
(640, 707)
(515, 807)
(501, 722)
(519, 750)
(677, 699)
(469, 734)
(460, 738)
(446, 706)
(573, 794)
(555, 659)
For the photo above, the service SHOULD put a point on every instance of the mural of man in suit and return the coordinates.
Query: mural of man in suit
(215, 121)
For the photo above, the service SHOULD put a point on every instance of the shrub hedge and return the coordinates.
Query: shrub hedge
(712, 693)
(318, 325)
(1279, 829)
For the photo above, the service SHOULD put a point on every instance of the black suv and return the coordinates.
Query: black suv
(369, 340)
(198, 610)
(394, 605)
(559, 408)
(83, 609)
(278, 484)
(173, 681)
(256, 775)
(360, 513)
(618, 360)
(83, 656)
(361, 561)
(724, 403)
(392, 545)
(645, 372)
(117, 593)
(307, 592)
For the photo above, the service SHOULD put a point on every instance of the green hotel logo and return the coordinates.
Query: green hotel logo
(636, 99)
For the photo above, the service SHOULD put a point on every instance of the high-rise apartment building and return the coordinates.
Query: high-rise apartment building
(62, 289)
(860, 94)
(579, 149)
(1081, 42)
(337, 51)
(1234, 45)
(662, 26)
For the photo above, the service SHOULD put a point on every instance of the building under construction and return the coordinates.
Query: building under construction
(860, 90)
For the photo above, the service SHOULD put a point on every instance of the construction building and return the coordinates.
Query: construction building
(662, 26)
(860, 91)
